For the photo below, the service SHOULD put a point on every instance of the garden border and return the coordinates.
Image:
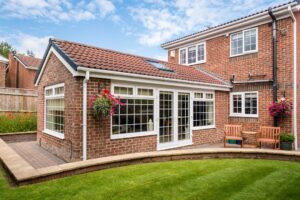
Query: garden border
(18, 136)
(23, 173)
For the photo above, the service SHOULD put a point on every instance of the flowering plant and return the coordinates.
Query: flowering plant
(104, 104)
(282, 108)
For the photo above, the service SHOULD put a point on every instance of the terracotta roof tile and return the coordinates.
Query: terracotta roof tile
(105, 59)
(29, 61)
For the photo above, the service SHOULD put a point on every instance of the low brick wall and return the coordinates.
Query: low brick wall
(18, 137)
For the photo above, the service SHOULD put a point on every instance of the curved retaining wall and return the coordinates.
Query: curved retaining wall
(23, 173)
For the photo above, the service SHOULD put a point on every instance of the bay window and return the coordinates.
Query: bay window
(244, 104)
(203, 110)
(54, 110)
(193, 54)
(243, 42)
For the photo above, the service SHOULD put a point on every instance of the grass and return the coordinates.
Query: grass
(203, 179)
(17, 122)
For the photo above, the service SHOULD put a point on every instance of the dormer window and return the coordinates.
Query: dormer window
(243, 42)
(193, 54)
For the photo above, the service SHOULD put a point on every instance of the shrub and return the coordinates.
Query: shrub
(17, 122)
(286, 137)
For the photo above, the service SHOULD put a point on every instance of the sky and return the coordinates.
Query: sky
(132, 26)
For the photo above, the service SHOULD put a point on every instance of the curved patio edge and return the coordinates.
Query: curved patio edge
(27, 175)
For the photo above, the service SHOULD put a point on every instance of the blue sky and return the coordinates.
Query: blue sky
(133, 26)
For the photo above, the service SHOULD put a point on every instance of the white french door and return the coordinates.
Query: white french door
(174, 119)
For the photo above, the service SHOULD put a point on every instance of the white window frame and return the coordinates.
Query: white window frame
(134, 96)
(243, 35)
(186, 54)
(203, 99)
(243, 114)
(53, 96)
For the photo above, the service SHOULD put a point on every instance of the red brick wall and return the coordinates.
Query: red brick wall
(71, 147)
(25, 76)
(218, 61)
(2, 74)
(297, 15)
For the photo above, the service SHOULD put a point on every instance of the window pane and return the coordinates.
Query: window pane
(49, 92)
(201, 52)
(250, 40)
(209, 96)
(59, 90)
(135, 116)
(166, 117)
(123, 90)
(183, 56)
(191, 54)
(237, 43)
(183, 116)
(203, 113)
(198, 95)
(237, 103)
(251, 103)
(55, 115)
(145, 92)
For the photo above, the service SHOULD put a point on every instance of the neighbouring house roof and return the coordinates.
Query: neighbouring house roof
(220, 26)
(85, 56)
(3, 59)
(28, 61)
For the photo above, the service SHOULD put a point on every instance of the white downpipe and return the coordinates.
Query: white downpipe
(295, 77)
(84, 116)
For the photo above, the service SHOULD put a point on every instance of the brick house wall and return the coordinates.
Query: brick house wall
(18, 71)
(2, 74)
(218, 61)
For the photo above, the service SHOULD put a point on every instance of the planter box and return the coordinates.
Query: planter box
(286, 146)
(231, 141)
(18, 136)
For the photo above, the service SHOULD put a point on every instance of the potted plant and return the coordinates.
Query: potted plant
(286, 141)
(103, 104)
(281, 108)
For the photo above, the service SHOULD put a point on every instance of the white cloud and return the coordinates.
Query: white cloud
(164, 20)
(56, 10)
(23, 42)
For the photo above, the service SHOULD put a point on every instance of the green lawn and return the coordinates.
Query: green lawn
(203, 179)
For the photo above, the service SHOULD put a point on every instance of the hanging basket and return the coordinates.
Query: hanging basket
(281, 109)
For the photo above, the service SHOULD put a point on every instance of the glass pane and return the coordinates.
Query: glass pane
(166, 117)
(250, 40)
(201, 52)
(198, 95)
(145, 92)
(192, 54)
(182, 56)
(183, 116)
(237, 43)
(55, 115)
(251, 103)
(123, 90)
(203, 113)
(237, 103)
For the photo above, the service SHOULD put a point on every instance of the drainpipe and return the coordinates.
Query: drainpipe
(275, 82)
(295, 77)
(84, 116)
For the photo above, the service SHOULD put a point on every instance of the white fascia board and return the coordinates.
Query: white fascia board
(27, 67)
(65, 63)
(262, 18)
(129, 77)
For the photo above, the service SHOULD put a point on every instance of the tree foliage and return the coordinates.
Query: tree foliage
(5, 49)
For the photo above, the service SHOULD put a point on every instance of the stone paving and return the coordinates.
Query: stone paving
(36, 156)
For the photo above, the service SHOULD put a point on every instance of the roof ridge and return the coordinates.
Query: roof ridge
(228, 22)
(107, 49)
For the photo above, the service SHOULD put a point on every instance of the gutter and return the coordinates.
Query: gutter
(84, 116)
(295, 77)
(274, 49)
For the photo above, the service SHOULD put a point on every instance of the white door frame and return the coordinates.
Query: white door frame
(175, 143)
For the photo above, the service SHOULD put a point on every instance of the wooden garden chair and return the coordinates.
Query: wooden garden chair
(233, 132)
(270, 135)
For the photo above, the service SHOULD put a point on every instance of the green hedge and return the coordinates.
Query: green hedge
(17, 122)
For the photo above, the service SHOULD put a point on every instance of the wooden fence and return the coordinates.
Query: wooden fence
(18, 100)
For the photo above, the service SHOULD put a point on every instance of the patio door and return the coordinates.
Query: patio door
(174, 119)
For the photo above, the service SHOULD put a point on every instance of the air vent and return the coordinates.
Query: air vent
(159, 66)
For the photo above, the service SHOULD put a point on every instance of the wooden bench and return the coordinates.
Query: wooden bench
(270, 135)
(233, 132)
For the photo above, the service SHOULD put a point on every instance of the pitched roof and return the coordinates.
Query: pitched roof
(81, 55)
(226, 23)
(29, 61)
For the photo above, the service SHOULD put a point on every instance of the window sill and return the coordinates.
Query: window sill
(203, 127)
(54, 134)
(131, 135)
(243, 54)
(244, 116)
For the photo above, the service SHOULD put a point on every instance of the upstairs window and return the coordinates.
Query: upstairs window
(193, 54)
(243, 42)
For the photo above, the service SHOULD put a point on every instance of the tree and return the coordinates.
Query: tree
(5, 49)
(30, 53)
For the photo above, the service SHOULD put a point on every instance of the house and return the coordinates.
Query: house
(3, 66)
(21, 71)
(230, 73)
